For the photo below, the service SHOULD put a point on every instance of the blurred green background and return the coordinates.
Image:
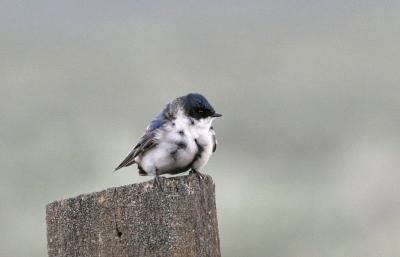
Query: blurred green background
(309, 145)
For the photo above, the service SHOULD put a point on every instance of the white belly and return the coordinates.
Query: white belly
(168, 157)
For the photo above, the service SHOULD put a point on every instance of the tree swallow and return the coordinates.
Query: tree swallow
(179, 139)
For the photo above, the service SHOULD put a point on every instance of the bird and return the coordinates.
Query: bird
(181, 138)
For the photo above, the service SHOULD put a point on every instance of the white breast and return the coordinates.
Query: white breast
(204, 138)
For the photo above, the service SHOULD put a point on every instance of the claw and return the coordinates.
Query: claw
(200, 175)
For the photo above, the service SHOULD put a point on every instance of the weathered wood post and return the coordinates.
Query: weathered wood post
(137, 220)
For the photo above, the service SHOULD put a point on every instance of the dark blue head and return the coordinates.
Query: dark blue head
(198, 107)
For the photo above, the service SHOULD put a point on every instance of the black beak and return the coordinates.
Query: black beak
(216, 115)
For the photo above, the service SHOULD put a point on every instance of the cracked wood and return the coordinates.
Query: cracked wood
(137, 220)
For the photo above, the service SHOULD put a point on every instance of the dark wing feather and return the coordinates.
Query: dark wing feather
(146, 142)
(157, 122)
(129, 160)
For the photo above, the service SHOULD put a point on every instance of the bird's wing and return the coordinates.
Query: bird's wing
(146, 142)
(214, 139)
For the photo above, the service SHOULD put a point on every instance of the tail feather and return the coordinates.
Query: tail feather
(129, 160)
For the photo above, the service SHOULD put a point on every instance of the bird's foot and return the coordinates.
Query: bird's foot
(199, 174)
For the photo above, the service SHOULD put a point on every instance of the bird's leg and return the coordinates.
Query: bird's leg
(157, 181)
(200, 175)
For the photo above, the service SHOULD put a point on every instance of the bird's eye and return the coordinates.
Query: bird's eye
(200, 110)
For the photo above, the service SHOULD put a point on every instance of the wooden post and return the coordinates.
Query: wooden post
(137, 220)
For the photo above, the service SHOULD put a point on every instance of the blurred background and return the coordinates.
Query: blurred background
(309, 144)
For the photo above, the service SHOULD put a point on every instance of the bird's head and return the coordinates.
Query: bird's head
(196, 106)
